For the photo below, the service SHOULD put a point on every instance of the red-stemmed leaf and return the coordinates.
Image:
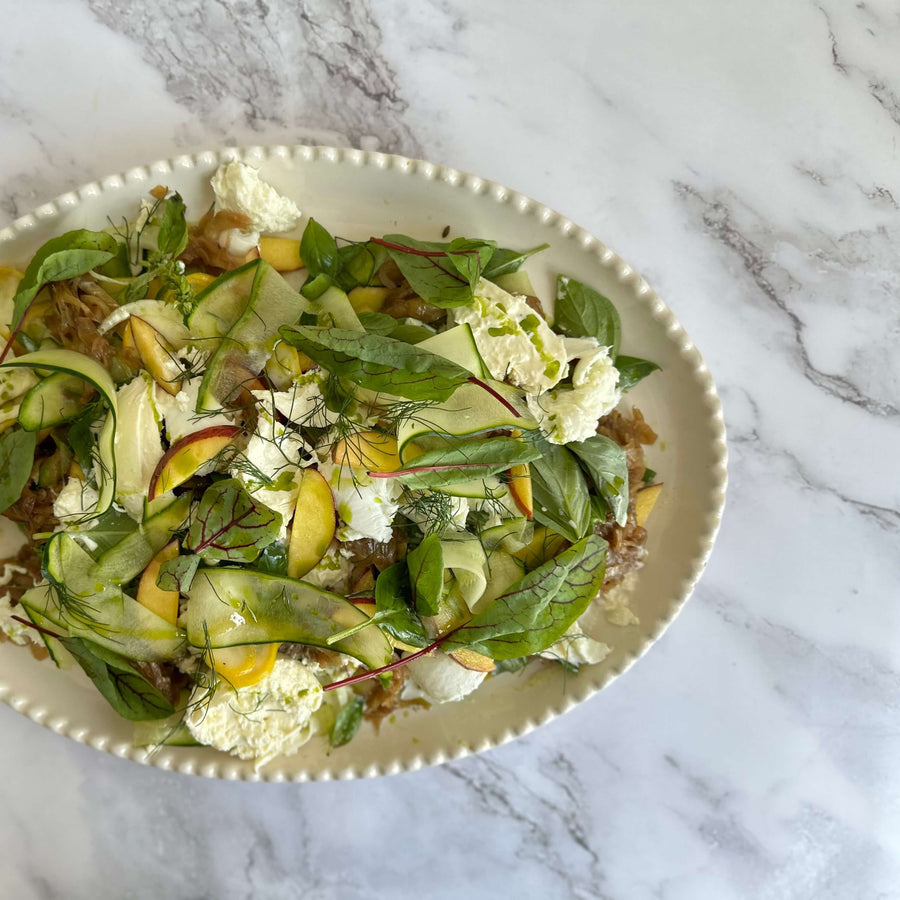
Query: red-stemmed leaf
(442, 274)
(231, 525)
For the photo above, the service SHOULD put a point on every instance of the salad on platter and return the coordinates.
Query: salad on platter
(271, 486)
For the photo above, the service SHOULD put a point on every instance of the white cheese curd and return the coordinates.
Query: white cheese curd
(179, 414)
(572, 413)
(516, 343)
(73, 503)
(332, 572)
(365, 505)
(239, 188)
(576, 648)
(304, 404)
(138, 446)
(268, 719)
(616, 604)
(439, 679)
(15, 631)
(275, 452)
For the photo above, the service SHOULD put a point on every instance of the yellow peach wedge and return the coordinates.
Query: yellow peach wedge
(312, 530)
(281, 253)
(151, 595)
(369, 450)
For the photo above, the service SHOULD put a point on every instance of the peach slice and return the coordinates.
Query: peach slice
(185, 457)
(520, 488)
(469, 659)
(312, 530)
(282, 254)
(370, 450)
(368, 299)
(365, 582)
(244, 665)
(151, 595)
(645, 501)
(199, 280)
(127, 336)
(157, 355)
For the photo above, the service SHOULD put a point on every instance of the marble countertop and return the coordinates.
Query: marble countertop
(744, 158)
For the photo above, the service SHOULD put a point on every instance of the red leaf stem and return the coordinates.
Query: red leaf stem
(402, 248)
(364, 676)
(45, 631)
(495, 395)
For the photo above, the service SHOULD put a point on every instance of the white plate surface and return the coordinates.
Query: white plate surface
(356, 194)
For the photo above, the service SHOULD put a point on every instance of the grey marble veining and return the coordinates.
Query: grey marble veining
(745, 160)
(271, 66)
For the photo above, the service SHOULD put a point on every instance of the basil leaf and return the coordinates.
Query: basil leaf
(632, 370)
(648, 476)
(561, 497)
(231, 525)
(177, 574)
(66, 256)
(468, 461)
(536, 611)
(318, 250)
(347, 722)
(16, 461)
(119, 266)
(393, 595)
(505, 261)
(111, 527)
(583, 312)
(470, 257)
(356, 266)
(137, 287)
(426, 575)
(442, 274)
(127, 690)
(173, 230)
(379, 363)
(273, 559)
(607, 464)
(81, 438)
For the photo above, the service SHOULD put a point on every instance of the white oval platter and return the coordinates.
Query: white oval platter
(356, 194)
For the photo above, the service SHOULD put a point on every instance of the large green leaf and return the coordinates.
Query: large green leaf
(607, 464)
(231, 525)
(394, 606)
(347, 722)
(66, 256)
(504, 261)
(536, 611)
(581, 311)
(379, 363)
(121, 681)
(318, 250)
(632, 370)
(466, 461)
(561, 498)
(426, 575)
(16, 459)
(442, 274)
